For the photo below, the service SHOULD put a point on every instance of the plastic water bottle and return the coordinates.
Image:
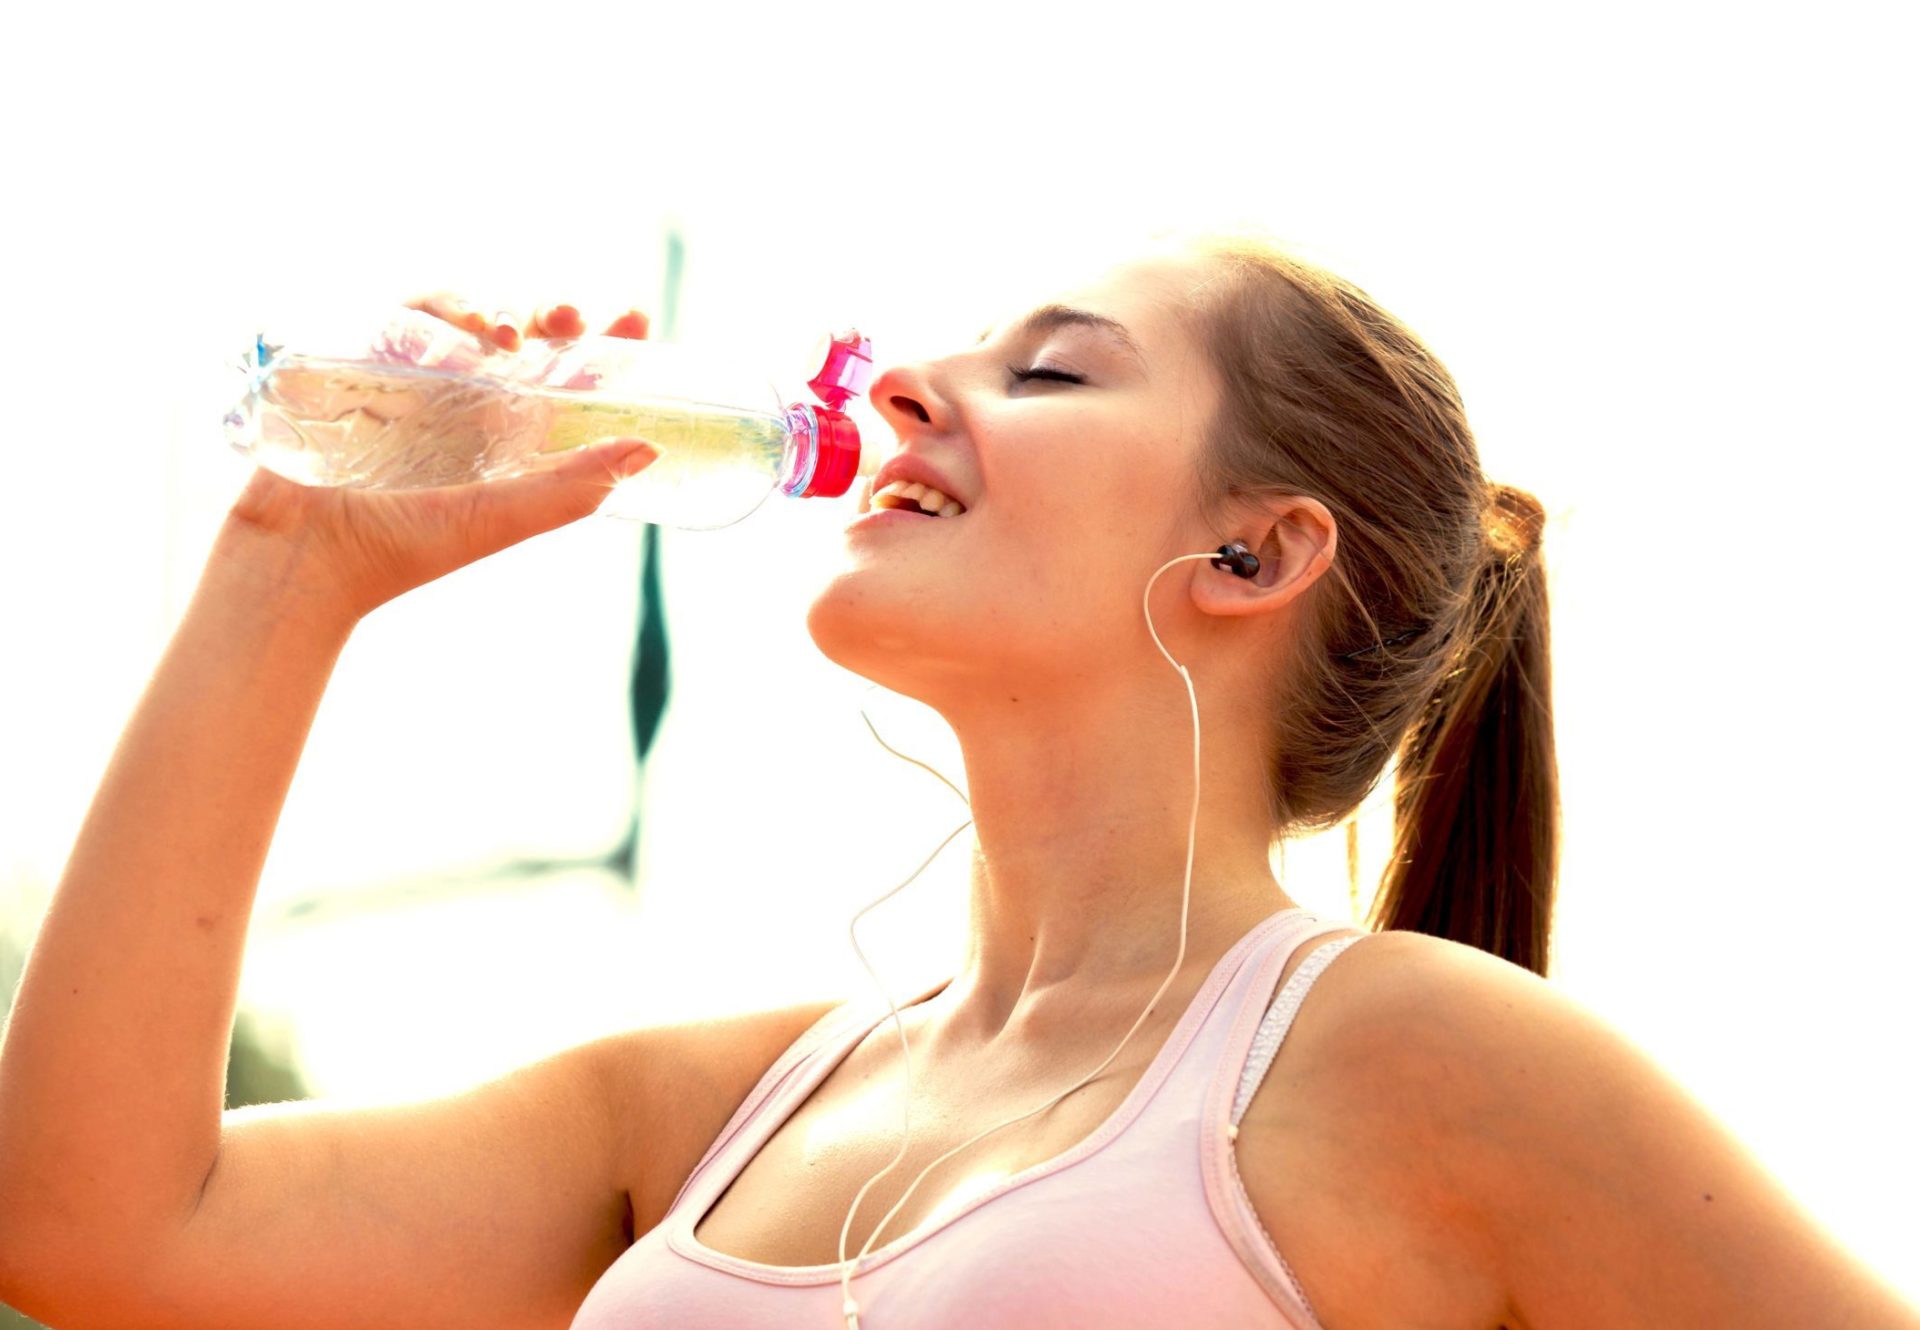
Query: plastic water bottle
(426, 404)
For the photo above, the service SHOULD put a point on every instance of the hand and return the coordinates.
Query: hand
(505, 333)
(361, 548)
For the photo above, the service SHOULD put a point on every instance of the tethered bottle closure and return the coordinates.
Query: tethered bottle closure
(824, 449)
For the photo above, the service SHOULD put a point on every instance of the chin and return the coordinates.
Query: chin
(854, 630)
(873, 630)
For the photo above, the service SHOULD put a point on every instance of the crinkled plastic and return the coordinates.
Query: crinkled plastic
(423, 403)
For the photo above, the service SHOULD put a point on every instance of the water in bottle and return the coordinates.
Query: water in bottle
(426, 404)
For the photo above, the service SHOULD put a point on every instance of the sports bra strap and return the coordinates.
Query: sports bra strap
(1279, 1017)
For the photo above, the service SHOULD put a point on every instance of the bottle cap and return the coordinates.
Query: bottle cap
(836, 454)
(846, 368)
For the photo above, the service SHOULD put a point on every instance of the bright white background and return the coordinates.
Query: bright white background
(1666, 250)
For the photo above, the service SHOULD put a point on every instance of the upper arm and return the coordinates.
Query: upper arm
(684, 1083)
(1576, 1176)
(499, 1206)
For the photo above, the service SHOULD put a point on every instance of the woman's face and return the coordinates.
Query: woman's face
(1074, 484)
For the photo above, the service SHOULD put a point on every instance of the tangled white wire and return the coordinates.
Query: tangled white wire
(849, 1308)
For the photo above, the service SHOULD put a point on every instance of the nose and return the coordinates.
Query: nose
(905, 397)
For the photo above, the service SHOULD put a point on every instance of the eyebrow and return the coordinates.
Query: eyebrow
(1049, 317)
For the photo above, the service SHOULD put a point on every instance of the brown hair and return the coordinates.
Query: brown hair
(1428, 638)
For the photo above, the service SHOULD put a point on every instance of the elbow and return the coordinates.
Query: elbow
(57, 1266)
(30, 1261)
(58, 1275)
(16, 1236)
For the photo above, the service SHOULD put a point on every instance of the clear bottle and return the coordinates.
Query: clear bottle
(426, 404)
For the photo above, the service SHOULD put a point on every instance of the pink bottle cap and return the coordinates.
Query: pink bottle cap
(845, 371)
(836, 452)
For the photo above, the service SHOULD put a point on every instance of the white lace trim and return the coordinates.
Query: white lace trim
(1266, 1043)
(1279, 1017)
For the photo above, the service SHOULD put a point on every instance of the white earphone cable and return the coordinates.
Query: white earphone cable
(849, 1308)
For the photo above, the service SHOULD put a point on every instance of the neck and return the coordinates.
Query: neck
(1081, 805)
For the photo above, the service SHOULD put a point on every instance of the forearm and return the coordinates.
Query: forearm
(112, 1065)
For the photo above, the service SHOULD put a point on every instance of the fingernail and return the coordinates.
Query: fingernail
(563, 317)
(635, 458)
(507, 336)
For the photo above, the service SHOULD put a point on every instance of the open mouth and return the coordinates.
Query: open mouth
(906, 496)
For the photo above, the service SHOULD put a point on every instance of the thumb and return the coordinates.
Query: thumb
(558, 491)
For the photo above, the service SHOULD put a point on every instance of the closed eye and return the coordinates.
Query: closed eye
(1041, 372)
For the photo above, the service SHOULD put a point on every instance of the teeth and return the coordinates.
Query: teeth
(906, 494)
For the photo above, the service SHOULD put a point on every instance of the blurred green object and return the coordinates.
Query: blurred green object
(648, 690)
(650, 678)
(260, 1068)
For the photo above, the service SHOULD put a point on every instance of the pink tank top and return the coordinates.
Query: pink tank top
(1144, 1224)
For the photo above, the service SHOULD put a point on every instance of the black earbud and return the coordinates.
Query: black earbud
(1237, 559)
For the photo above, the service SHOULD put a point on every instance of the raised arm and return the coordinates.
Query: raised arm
(124, 1197)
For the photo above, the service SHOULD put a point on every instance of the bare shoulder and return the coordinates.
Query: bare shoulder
(1422, 1003)
(1518, 1161)
(672, 1088)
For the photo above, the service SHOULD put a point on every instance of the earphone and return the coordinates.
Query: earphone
(1233, 557)
(1237, 559)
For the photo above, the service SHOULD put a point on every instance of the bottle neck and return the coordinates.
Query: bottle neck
(802, 458)
(823, 452)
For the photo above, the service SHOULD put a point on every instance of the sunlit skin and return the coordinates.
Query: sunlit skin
(1445, 1140)
(1452, 1142)
(1020, 622)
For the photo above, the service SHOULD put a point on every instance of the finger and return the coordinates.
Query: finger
(501, 331)
(445, 305)
(557, 321)
(631, 324)
(572, 485)
(505, 331)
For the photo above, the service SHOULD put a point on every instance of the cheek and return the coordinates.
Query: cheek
(1073, 477)
(1109, 509)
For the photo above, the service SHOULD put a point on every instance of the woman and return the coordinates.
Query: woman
(1441, 1140)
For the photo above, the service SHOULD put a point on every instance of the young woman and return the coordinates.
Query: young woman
(1441, 1140)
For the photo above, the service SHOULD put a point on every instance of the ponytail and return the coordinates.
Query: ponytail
(1476, 796)
(1428, 637)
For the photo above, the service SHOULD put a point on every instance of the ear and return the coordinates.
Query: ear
(1293, 536)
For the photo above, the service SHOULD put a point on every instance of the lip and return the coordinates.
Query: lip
(879, 517)
(913, 470)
